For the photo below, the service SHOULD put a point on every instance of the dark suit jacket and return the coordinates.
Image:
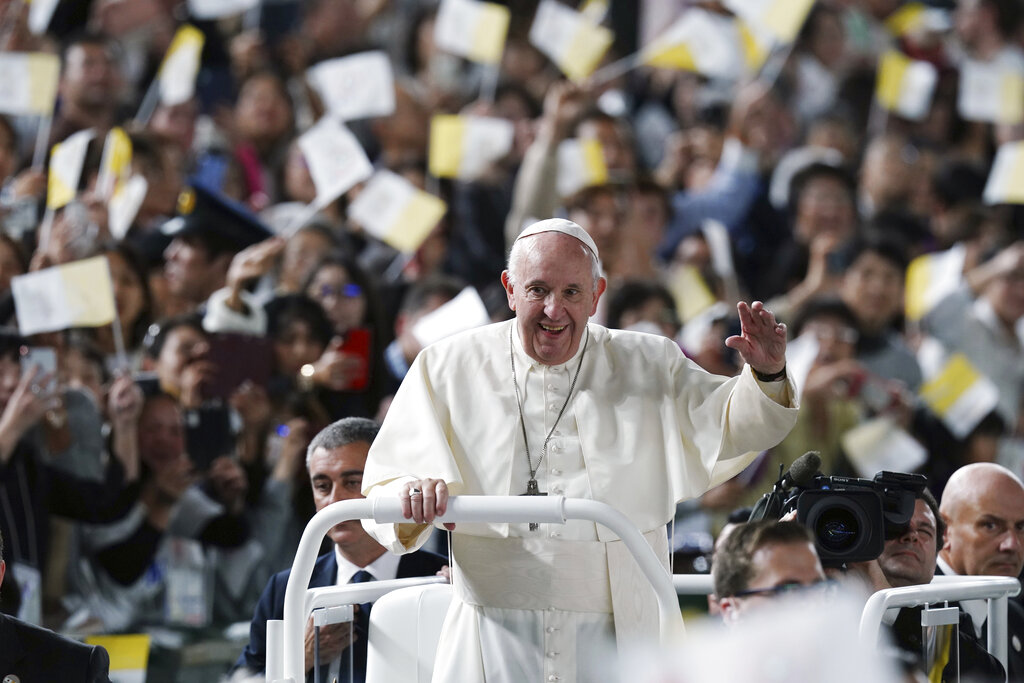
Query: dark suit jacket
(36, 654)
(1015, 636)
(325, 573)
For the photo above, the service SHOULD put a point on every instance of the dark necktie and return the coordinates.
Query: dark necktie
(360, 624)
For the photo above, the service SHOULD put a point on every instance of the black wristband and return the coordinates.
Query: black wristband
(774, 377)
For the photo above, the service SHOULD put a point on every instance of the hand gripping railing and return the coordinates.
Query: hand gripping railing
(489, 509)
(994, 588)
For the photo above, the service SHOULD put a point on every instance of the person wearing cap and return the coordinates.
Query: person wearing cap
(209, 230)
(548, 403)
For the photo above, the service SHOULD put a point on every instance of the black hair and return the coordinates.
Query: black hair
(421, 291)
(820, 307)
(634, 293)
(156, 335)
(284, 310)
(889, 247)
(815, 170)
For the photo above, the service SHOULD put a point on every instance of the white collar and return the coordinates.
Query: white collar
(383, 568)
(523, 358)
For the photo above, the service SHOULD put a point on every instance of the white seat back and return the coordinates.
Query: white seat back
(405, 626)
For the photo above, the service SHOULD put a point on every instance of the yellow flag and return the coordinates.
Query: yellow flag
(116, 164)
(1005, 183)
(906, 19)
(782, 19)
(390, 208)
(691, 293)
(904, 85)
(129, 654)
(960, 395)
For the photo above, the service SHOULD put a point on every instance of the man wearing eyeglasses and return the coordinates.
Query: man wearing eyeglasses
(761, 560)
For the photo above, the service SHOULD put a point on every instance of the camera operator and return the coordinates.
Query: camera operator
(909, 560)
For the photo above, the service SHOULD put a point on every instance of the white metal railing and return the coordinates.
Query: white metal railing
(692, 584)
(995, 589)
(288, 637)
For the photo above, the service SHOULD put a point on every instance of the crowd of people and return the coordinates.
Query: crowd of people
(157, 473)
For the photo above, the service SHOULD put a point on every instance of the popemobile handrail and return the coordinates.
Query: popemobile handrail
(995, 589)
(486, 509)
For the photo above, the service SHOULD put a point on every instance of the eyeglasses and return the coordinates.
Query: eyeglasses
(826, 587)
(349, 291)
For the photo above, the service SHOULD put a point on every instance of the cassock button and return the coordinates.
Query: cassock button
(556, 471)
(554, 677)
(552, 654)
(551, 629)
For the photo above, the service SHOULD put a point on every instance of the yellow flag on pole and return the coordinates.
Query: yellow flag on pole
(181, 66)
(464, 146)
(66, 160)
(392, 209)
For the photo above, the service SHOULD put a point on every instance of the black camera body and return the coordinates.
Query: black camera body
(851, 518)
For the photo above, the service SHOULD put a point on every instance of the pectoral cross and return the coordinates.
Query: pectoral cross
(533, 490)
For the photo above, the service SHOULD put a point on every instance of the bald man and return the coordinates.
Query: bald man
(983, 507)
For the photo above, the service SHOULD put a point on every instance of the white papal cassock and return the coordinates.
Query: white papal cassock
(644, 428)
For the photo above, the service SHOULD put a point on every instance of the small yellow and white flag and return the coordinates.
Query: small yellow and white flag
(880, 444)
(392, 209)
(580, 164)
(691, 293)
(991, 91)
(755, 44)
(177, 76)
(1005, 183)
(930, 278)
(77, 294)
(465, 146)
(66, 160)
(116, 163)
(129, 655)
(905, 86)
(569, 39)
(782, 19)
(124, 205)
(907, 19)
(335, 158)
(465, 312)
(28, 83)
(960, 395)
(699, 41)
(355, 87)
(472, 29)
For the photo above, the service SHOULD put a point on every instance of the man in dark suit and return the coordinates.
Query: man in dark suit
(31, 653)
(335, 460)
(983, 508)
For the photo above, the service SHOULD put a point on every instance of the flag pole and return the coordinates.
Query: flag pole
(489, 83)
(252, 16)
(149, 102)
(121, 355)
(43, 237)
(42, 141)
(615, 69)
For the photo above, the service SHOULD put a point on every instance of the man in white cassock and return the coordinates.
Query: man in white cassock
(548, 403)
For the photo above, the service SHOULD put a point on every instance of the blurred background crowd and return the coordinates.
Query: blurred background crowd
(160, 479)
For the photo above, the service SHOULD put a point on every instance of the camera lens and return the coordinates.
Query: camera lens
(837, 528)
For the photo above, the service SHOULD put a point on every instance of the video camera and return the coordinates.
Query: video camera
(850, 518)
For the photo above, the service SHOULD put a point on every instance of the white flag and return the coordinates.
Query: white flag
(39, 14)
(177, 77)
(392, 209)
(991, 92)
(1005, 183)
(465, 146)
(880, 444)
(464, 312)
(28, 83)
(336, 159)
(77, 294)
(580, 164)
(215, 9)
(569, 39)
(66, 160)
(471, 29)
(356, 87)
(699, 41)
(124, 205)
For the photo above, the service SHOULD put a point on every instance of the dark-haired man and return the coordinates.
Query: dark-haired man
(335, 460)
